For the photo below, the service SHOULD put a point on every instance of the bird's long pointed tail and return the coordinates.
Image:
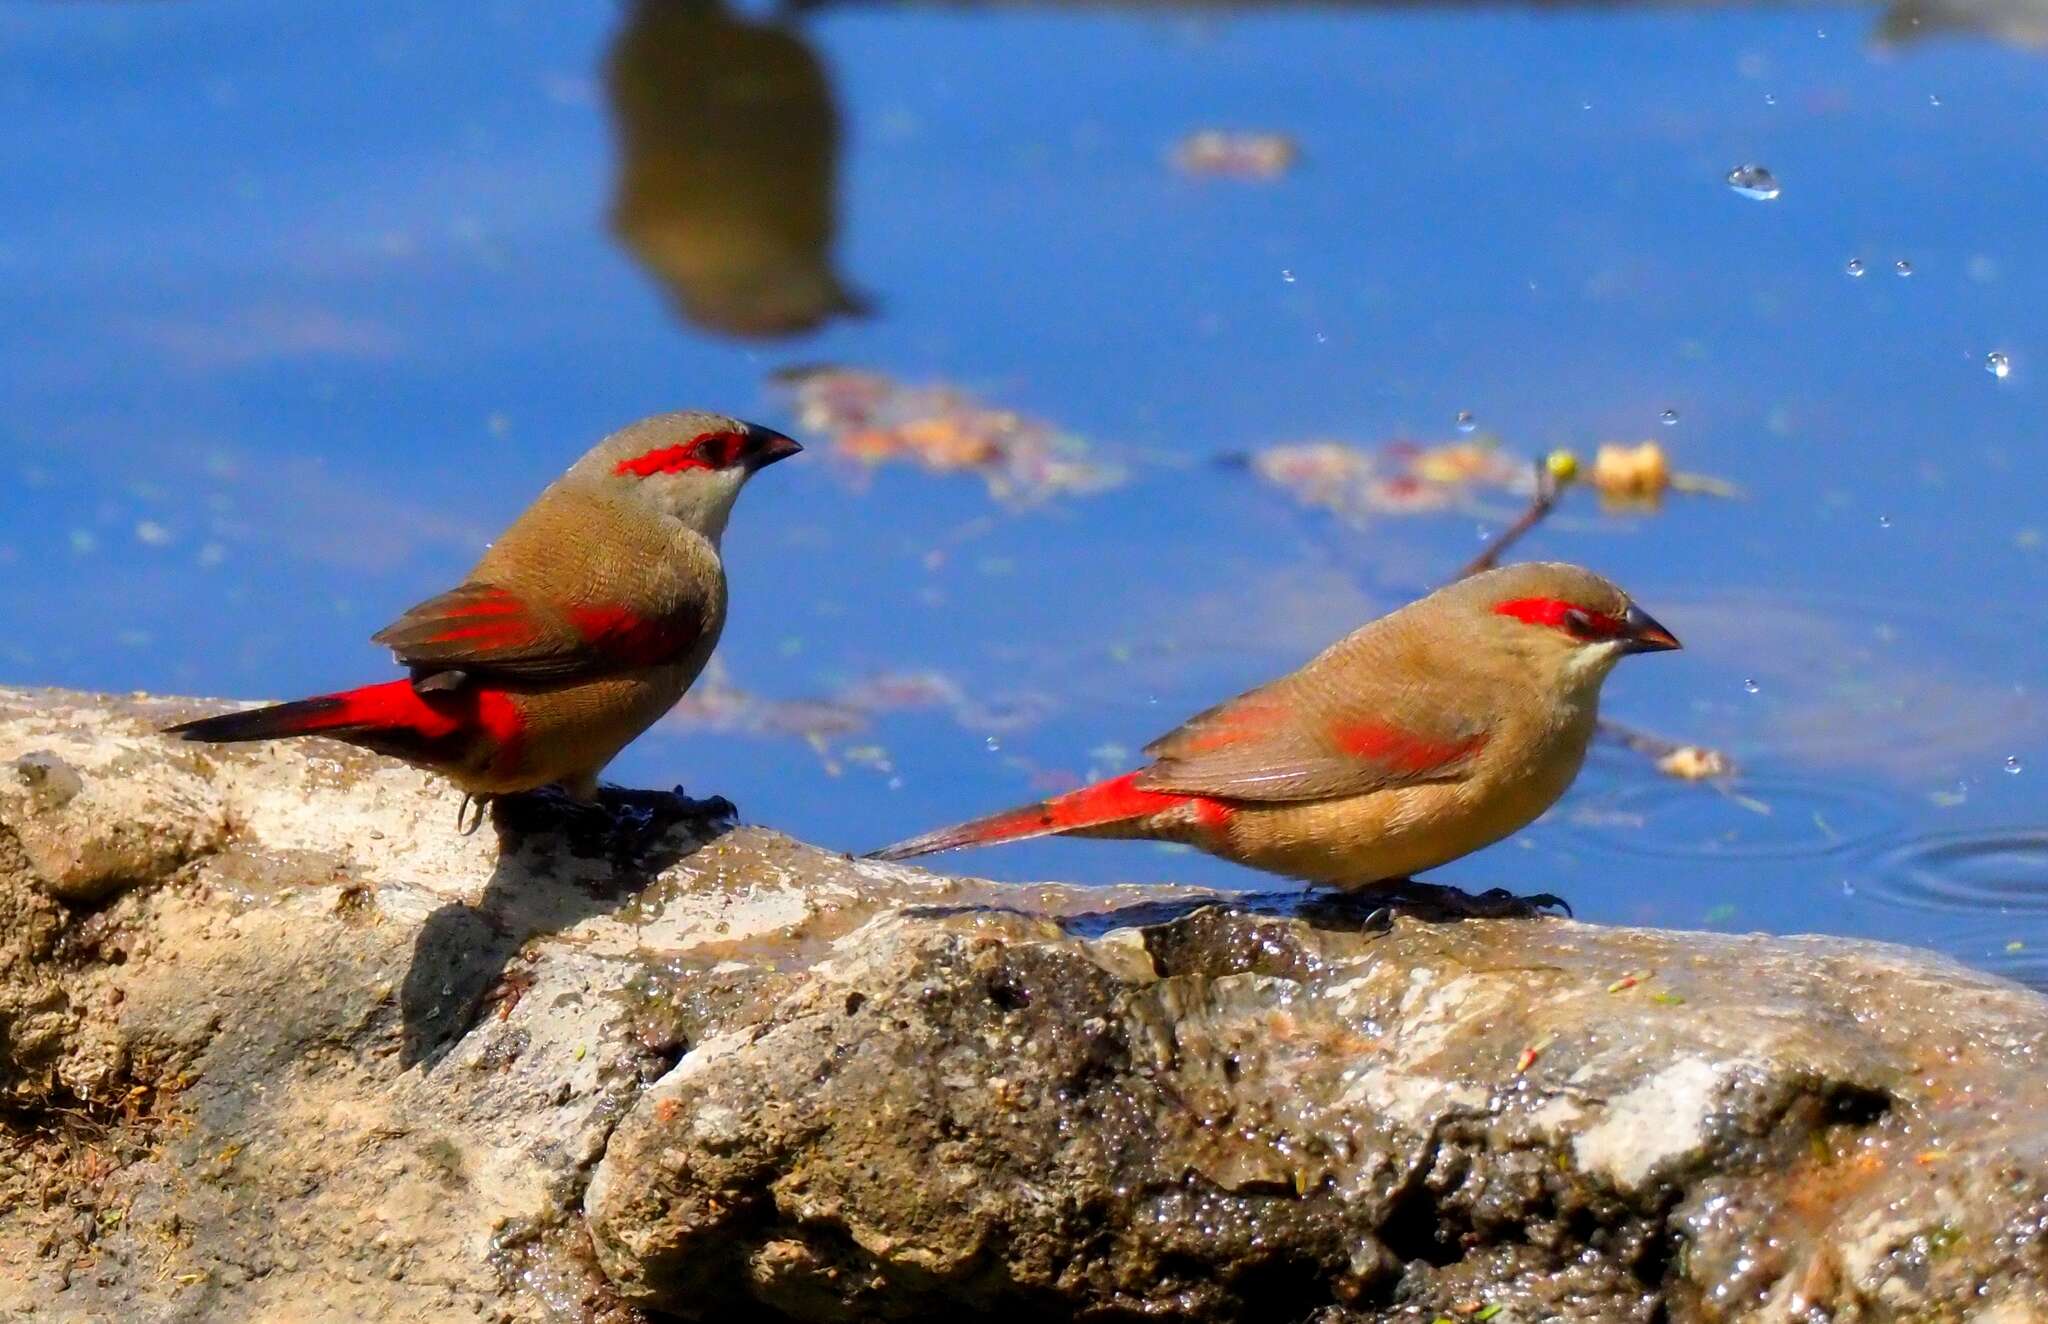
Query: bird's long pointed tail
(1114, 801)
(392, 717)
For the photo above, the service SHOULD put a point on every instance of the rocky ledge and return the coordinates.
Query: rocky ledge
(277, 1043)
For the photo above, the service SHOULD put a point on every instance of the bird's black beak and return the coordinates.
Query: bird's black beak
(1642, 634)
(772, 446)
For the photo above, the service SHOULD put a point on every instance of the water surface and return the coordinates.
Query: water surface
(304, 301)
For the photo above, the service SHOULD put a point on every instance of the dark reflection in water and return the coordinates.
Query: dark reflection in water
(728, 142)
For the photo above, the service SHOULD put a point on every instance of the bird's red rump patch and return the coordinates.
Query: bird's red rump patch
(629, 637)
(707, 450)
(1579, 622)
(1401, 750)
(1120, 798)
(396, 705)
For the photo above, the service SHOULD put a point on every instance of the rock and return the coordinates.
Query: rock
(276, 1042)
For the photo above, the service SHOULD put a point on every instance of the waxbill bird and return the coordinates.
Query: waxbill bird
(1427, 734)
(581, 625)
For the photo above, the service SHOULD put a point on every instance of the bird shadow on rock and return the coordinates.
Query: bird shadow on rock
(1320, 908)
(557, 866)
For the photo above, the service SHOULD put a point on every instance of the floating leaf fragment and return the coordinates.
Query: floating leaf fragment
(874, 420)
(1693, 763)
(1236, 154)
(1400, 478)
(1638, 476)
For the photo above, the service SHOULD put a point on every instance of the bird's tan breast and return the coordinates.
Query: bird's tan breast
(1400, 831)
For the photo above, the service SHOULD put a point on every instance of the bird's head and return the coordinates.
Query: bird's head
(687, 465)
(1567, 623)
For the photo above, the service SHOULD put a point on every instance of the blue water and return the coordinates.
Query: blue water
(304, 301)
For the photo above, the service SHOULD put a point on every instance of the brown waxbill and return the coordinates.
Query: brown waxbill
(1429, 733)
(579, 627)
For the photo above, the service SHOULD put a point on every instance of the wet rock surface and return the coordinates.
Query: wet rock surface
(276, 1042)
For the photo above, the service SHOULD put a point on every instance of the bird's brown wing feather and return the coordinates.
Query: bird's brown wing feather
(1273, 744)
(486, 629)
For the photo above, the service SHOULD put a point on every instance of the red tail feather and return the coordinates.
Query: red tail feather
(393, 718)
(1113, 801)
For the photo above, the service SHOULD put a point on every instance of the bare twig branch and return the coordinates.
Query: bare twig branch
(1545, 500)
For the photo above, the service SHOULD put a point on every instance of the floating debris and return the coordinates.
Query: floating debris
(1401, 478)
(1638, 476)
(1694, 763)
(874, 420)
(1631, 473)
(1226, 154)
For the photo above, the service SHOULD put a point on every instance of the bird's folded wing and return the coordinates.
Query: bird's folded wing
(485, 629)
(1259, 746)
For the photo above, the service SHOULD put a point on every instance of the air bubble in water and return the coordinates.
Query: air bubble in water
(1753, 181)
(1997, 364)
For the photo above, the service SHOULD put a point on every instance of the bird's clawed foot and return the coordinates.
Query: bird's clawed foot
(1436, 902)
(617, 821)
(667, 807)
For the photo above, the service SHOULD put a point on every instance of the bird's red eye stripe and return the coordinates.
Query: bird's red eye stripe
(709, 450)
(1579, 622)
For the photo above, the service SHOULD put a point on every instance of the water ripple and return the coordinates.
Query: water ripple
(1758, 818)
(1996, 870)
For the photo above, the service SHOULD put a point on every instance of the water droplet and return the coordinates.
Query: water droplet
(1884, 521)
(1585, 105)
(2013, 764)
(1753, 181)
(1821, 33)
(1997, 364)
(1855, 267)
(1322, 339)
(1467, 423)
(1770, 100)
(993, 744)
(1751, 685)
(1848, 888)
(1668, 418)
(1903, 267)
(1933, 100)
(1287, 274)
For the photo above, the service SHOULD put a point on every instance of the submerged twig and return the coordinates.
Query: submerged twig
(1551, 476)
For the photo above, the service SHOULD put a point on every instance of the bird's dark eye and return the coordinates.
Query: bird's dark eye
(1580, 623)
